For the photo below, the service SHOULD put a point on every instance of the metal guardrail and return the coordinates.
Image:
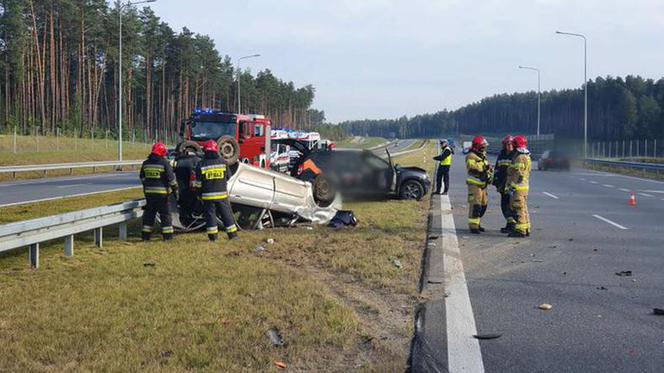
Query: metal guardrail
(31, 233)
(657, 167)
(66, 166)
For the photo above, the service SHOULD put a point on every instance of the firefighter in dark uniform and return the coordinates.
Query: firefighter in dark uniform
(445, 161)
(503, 162)
(158, 181)
(211, 178)
(185, 168)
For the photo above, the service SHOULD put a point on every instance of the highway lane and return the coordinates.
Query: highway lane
(584, 232)
(20, 192)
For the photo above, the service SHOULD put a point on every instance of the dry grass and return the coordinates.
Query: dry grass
(361, 143)
(337, 297)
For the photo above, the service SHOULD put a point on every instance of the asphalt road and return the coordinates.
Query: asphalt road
(20, 192)
(584, 232)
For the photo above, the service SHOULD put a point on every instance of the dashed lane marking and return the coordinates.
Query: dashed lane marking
(463, 351)
(610, 222)
(624, 190)
(608, 185)
(593, 182)
(550, 195)
(646, 195)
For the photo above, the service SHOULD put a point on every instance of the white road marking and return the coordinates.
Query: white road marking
(608, 185)
(68, 196)
(646, 195)
(463, 351)
(625, 190)
(582, 179)
(610, 222)
(593, 182)
(550, 195)
(655, 191)
(70, 186)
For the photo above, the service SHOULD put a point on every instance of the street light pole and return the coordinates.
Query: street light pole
(121, 7)
(239, 78)
(585, 88)
(539, 94)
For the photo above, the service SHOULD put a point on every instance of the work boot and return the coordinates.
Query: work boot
(233, 236)
(212, 237)
(482, 229)
(444, 193)
(474, 231)
(436, 192)
(168, 236)
(517, 234)
(145, 236)
(508, 228)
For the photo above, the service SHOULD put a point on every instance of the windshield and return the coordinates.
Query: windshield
(212, 130)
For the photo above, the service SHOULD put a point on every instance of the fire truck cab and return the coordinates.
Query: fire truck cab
(241, 137)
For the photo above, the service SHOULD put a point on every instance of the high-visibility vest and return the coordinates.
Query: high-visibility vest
(447, 161)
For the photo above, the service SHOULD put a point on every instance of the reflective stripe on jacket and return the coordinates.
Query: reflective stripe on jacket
(477, 167)
(211, 178)
(157, 176)
(519, 172)
(503, 162)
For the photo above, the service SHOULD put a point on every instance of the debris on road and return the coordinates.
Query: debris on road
(397, 263)
(435, 280)
(602, 288)
(624, 273)
(276, 338)
(658, 311)
(487, 336)
(280, 364)
(570, 239)
(545, 306)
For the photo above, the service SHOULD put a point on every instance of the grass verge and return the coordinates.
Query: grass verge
(337, 297)
(626, 171)
(358, 142)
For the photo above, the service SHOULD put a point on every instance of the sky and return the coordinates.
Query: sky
(384, 59)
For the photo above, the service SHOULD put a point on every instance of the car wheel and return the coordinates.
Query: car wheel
(411, 189)
(324, 191)
(182, 147)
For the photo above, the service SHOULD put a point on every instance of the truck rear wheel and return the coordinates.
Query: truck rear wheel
(229, 149)
(182, 147)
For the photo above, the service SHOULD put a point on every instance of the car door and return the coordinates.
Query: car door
(380, 175)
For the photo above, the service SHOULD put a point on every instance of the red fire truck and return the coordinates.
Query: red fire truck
(241, 137)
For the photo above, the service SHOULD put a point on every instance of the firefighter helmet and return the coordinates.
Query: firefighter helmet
(520, 142)
(508, 140)
(159, 149)
(479, 142)
(211, 146)
(444, 142)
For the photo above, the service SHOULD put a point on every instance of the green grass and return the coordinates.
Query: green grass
(361, 142)
(42, 209)
(336, 296)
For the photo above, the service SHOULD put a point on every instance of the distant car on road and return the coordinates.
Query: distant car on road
(552, 159)
(361, 174)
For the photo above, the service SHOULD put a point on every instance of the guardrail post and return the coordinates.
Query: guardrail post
(33, 255)
(69, 246)
(99, 237)
(123, 232)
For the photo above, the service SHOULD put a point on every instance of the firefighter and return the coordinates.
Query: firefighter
(211, 177)
(518, 183)
(479, 177)
(503, 162)
(443, 172)
(184, 170)
(158, 181)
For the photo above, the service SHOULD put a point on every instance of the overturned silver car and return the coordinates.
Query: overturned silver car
(261, 198)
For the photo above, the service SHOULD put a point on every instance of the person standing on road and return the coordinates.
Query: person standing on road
(503, 162)
(479, 177)
(445, 161)
(158, 181)
(518, 182)
(211, 178)
(185, 168)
